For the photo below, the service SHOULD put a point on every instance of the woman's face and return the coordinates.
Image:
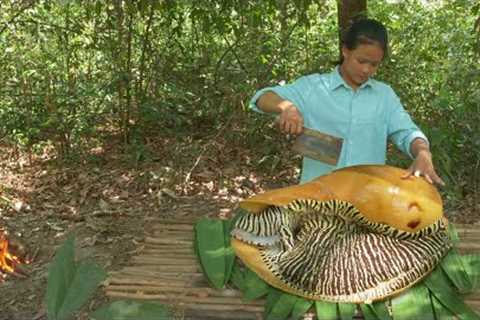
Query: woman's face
(360, 63)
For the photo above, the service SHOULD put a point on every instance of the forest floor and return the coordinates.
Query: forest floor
(105, 198)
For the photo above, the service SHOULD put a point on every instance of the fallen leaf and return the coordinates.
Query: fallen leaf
(103, 205)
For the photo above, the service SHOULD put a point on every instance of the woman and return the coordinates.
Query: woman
(348, 103)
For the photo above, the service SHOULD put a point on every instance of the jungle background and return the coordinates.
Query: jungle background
(114, 111)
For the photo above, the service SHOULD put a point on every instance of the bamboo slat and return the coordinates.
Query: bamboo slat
(166, 269)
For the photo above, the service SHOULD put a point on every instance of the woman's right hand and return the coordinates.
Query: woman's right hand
(290, 119)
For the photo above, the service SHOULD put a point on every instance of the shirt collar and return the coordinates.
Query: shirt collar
(337, 80)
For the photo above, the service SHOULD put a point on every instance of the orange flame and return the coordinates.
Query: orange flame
(8, 261)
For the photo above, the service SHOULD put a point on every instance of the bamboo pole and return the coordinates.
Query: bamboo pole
(169, 225)
(138, 271)
(221, 304)
(161, 259)
(169, 242)
(201, 292)
(195, 269)
(216, 315)
(171, 249)
(166, 252)
(187, 283)
(148, 282)
(197, 280)
(468, 247)
(181, 298)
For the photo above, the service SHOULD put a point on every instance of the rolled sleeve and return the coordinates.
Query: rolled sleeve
(401, 129)
(409, 139)
(253, 102)
(293, 92)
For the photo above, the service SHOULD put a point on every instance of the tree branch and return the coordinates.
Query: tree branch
(28, 5)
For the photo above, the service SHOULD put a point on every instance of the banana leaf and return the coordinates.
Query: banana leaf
(441, 312)
(129, 310)
(300, 308)
(279, 305)
(326, 310)
(441, 288)
(471, 263)
(347, 310)
(413, 304)
(229, 253)
(454, 267)
(215, 256)
(238, 277)
(254, 286)
(375, 311)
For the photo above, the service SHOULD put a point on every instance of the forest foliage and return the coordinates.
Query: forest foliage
(72, 73)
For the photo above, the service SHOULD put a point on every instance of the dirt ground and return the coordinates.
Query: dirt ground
(105, 198)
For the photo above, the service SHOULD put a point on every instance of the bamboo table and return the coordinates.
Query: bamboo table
(166, 270)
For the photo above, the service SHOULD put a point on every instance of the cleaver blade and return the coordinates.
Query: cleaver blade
(319, 146)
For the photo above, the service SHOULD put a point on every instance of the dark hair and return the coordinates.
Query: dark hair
(366, 31)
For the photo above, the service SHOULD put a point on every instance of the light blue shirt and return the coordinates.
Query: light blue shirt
(364, 118)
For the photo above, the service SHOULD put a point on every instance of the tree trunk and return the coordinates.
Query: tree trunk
(348, 11)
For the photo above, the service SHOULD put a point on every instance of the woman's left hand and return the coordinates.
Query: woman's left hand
(423, 166)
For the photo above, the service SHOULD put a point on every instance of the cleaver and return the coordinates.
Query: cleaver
(318, 146)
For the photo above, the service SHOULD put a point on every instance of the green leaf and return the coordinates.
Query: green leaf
(229, 253)
(326, 310)
(452, 232)
(279, 305)
(380, 310)
(453, 266)
(471, 263)
(127, 310)
(412, 304)
(84, 283)
(238, 277)
(210, 241)
(441, 312)
(375, 311)
(60, 275)
(347, 310)
(368, 312)
(255, 287)
(69, 286)
(300, 308)
(440, 287)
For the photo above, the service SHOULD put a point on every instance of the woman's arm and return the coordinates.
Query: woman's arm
(290, 119)
(422, 164)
